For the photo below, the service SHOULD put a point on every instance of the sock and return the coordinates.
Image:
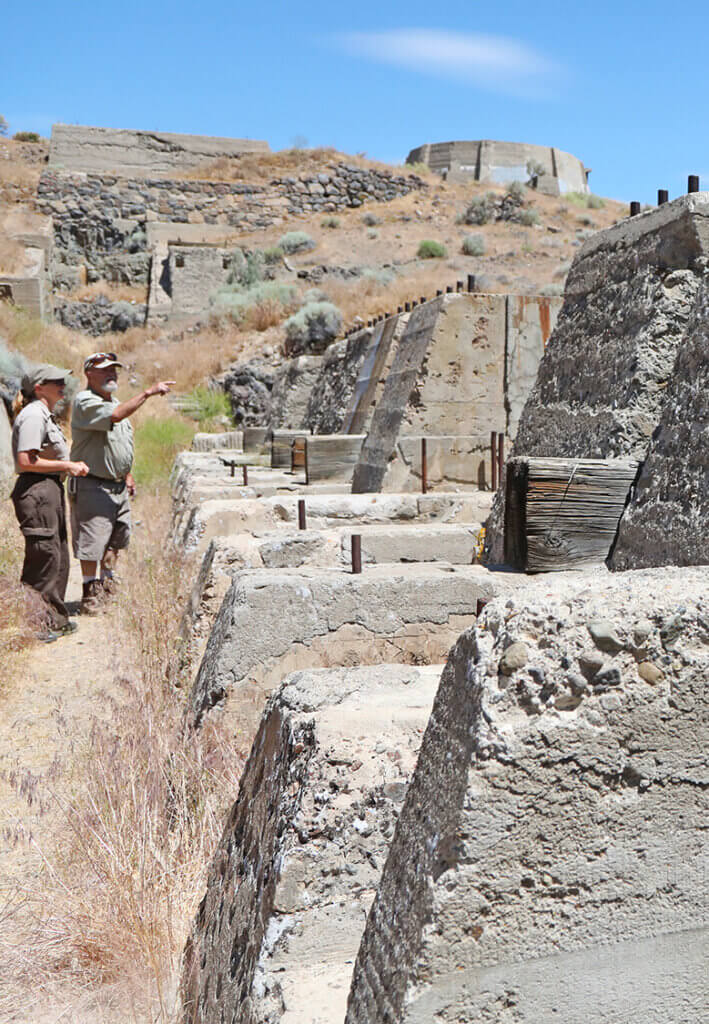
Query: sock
(88, 579)
(106, 574)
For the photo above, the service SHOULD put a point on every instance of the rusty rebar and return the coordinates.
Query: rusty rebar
(356, 553)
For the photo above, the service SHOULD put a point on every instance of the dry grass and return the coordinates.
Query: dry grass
(113, 292)
(138, 808)
(263, 167)
(20, 174)
(42, 342)
(22, 610)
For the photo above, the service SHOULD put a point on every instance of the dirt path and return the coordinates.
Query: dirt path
(45, 718)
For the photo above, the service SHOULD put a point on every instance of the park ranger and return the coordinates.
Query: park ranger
(102, 436)
(41, 456)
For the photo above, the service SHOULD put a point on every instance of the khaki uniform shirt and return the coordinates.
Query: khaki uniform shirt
(36, 430)
(105, 447)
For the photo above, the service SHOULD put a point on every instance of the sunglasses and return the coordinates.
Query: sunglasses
(99, 358)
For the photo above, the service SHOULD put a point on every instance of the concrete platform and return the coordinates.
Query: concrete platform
(272, 622)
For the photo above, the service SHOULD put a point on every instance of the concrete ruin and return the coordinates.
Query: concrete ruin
(325, 780)
(629, 335)
(134, 153)
(541, 854)
(27, 284)
(499, 163)
(537, 868)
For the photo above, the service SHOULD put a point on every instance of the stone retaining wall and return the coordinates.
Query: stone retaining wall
(99, 218)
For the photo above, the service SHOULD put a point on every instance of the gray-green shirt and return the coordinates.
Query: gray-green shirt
(36, 430)
(106, 447)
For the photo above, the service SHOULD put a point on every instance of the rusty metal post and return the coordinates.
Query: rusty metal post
(693, 183)
(407, 307)
(634, 208)
(439, 291)
(301, 514)
(232, 467)
(424, 467)
(422, 299)
(246, 475)
(500, 456)
(400, 309)
(356, 553)
(482, 601)
(449, 289)
(459, 286)
(663, 196)
(471, 282)
(493, 460)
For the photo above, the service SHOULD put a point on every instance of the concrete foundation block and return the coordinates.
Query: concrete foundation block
(293, 877)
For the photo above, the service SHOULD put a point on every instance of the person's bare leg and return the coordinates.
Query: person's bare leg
(89, 570)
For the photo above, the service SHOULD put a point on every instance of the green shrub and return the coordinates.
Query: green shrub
(312, 328)
(296, 241)
(372, 233)
(246, 268)
(315, 295)
(240, 303)
(273, 254)
(473, 245)
(157, 442)
(26, 137)
(527, 217)
(370, 219)
(330, 222)
(587, 199)
(381, 275)
(208, 406)
(535, 169)
(480, 210)
(430, 250)
(516, 189)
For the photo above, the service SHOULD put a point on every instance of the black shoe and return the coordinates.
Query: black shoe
(48, 636)
(67, 629)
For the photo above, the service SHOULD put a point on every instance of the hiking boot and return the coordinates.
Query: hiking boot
(47, 636)
(110, 586)
(91, 598)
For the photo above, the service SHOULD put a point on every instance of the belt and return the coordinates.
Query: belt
(104, 481)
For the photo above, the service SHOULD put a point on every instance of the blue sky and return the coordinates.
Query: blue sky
(621, 85)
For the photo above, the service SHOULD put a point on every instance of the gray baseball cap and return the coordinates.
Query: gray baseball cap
(40, 374)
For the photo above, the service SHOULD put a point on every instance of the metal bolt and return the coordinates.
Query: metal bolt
(424, 467)
(301, 513)
(634, 208)
(693, 183)
(449, 289)
(356, 553)
(493, 459)
(246, 475)
(663, 196)
(500, 456)
(407, 307)
(471, 282)
(459, 286)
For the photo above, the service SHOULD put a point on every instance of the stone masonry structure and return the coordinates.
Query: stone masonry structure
(499, 163)
(550, 860)
(101, 220)
(631, 322)
(304, 845)
(132, 153)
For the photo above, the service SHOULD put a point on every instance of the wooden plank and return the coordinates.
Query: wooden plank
(564, 513)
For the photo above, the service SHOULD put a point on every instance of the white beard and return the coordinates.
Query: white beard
(110, 386)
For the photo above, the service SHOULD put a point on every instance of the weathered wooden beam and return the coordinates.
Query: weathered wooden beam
(564, 513)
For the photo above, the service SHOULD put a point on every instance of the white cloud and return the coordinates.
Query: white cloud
(494, 62)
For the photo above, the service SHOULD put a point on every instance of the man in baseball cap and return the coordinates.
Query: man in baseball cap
(103, 439)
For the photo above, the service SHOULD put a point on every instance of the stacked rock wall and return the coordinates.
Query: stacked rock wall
(100, 219)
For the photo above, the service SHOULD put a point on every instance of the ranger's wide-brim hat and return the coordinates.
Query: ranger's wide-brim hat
(40, 374)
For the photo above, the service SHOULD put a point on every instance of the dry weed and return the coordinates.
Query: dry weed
(263, 167)
(141, 807)
(113, 292)
(22, 610)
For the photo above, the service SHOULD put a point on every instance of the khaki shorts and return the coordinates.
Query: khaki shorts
(100, 517)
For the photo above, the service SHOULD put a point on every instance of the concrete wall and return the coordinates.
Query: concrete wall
(630, 297)
(28, 287)
(462, 366)
(195, 272)
(537, 865)
(306, 837)
(133, 153)
(667, 521)
(292, 390)
(499, 163)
